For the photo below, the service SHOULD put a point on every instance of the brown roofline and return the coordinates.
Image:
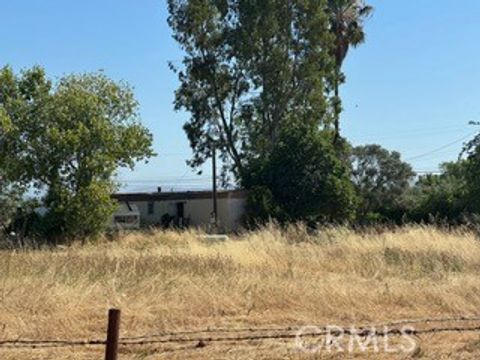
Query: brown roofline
(173, 196)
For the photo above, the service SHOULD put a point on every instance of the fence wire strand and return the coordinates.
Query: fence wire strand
(297, 327)
(253, 334)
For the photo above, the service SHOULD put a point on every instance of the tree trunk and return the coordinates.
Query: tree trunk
(336, 109)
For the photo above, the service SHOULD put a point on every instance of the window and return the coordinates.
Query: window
(151, 208)
(124, 219)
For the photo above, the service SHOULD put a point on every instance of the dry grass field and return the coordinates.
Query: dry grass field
(173, 281)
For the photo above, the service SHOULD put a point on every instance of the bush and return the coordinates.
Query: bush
(441, 197)
(303, 179)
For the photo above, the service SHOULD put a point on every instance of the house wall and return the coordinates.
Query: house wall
(230, 211)
(236, 212)
(160, 208)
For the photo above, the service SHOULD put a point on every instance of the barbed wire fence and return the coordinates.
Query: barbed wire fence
(203, 337)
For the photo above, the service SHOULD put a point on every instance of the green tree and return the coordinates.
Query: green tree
(10, 198)
(346, 19)
(441, 197)
(68, 139)
(11, 190)
(302, 180)
(382, 180)
(471, 152)
(249, 65)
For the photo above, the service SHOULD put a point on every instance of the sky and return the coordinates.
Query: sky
(412, 87)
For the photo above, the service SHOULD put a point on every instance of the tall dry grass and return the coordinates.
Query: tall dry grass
(175, 280)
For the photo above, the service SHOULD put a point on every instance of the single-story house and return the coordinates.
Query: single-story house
(183, 209)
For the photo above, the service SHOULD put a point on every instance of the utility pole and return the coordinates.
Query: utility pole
(214, 183)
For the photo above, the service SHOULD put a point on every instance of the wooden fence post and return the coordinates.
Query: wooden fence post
(113, 332)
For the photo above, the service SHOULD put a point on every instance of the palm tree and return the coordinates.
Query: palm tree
(346, 21)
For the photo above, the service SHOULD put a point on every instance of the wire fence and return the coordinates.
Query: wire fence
(203, 337)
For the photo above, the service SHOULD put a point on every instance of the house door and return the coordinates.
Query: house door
(180, 210)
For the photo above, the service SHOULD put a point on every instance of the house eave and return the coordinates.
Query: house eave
(179, 196)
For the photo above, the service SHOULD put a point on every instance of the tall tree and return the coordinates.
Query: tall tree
(346, 19)
(381, 179)
(69, 138)
(248, 66)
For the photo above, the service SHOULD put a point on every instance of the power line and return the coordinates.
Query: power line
(441, 148)
(400, 136)
(437, 172)
(172, 180)
(405, 131)
(173, 154)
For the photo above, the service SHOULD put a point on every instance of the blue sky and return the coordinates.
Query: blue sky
(413, 87)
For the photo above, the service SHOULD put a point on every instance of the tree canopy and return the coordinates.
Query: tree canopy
(346, 24)
(248, 66)
(442, 197)
(68, 139)
(381, 179)
(303, 180)
(471, 152)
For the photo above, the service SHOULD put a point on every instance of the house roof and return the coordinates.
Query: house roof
(176, 196)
